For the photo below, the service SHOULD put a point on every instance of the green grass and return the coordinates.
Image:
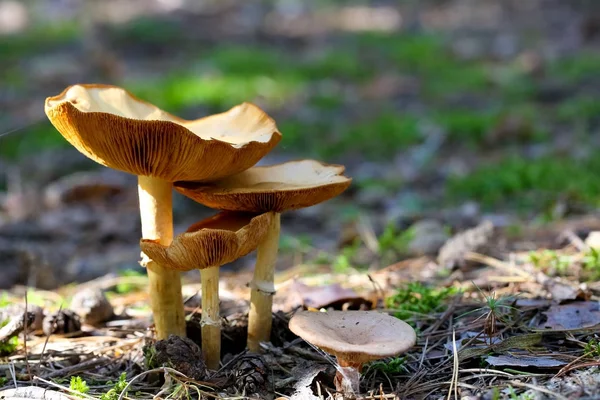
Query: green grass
(148, 31)
(578, 109)
(337, 64)
(467, 126)
(117, 389)
(530, 184)
(418, 299)
(31, 139)
(474, 127)
(550, 261)
(379, 136)
(393, 366)
(394, 240)
(181, 90)
(426, 57)
(409, 52)
(39, 38)
(10, 345)
(382, 135)
(78, 385)
(591, 264)
(592, 348)
(576, 68)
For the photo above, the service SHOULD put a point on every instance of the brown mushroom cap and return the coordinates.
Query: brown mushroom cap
(288, 186)
(118, 130)
(211, 242)
(354, 337)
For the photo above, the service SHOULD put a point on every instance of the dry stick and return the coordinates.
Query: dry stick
(538, 389)
(211, 322)
(260, 317)
(165, 285)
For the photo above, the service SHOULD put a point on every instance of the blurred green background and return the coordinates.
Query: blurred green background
(427, 102)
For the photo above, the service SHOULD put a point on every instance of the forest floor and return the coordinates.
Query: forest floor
(492, 322)
(450, 116)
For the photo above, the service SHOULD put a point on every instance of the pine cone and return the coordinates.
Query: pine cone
(63, 321)
(250, 375)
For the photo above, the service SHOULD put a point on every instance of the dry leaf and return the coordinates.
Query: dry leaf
(573, 316)
(524, 361)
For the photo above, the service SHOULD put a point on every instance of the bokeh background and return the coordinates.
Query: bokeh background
(445, 112)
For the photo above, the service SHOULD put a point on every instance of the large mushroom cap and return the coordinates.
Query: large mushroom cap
(211, 242)
(288, 186)
(355, 337)
(118, 130)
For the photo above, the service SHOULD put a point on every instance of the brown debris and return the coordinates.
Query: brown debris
(181, 354)
(326, 296)
(250, 375)
(453, 252)
(60, 322)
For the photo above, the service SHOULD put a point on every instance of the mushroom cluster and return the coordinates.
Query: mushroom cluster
(210, 160)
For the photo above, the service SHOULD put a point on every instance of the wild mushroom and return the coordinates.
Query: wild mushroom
(354, 337)
(207, 245)
(118, 130)
(282, 187)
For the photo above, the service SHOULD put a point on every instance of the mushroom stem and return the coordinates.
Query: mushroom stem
(210, 322)
(165, 284)
(347, 376)
(263, 287)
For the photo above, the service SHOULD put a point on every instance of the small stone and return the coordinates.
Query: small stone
(92, 305)
(429, 237)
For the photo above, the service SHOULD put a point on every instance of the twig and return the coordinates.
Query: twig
(539, 389)
(494, 263)
(46, 341)
(575, 240)
(454, 381)
(25, 326)
(13, 373)
(67, 389)
(69, 370)
(570, 367)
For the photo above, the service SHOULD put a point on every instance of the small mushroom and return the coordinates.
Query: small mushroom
(278, 188)
(354, 337)
(207, 245)
(116, 129)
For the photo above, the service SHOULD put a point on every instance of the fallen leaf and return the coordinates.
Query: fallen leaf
(561, 290)
(326, 296)
(573, 316)
(524, 361)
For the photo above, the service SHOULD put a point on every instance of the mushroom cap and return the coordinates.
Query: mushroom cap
(354, 337)
(281, 187)
(116, 129)
(212, 242)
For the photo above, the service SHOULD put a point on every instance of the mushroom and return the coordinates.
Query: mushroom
(207, 245)
(282, 187)
(354, 337)
(118, 130)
